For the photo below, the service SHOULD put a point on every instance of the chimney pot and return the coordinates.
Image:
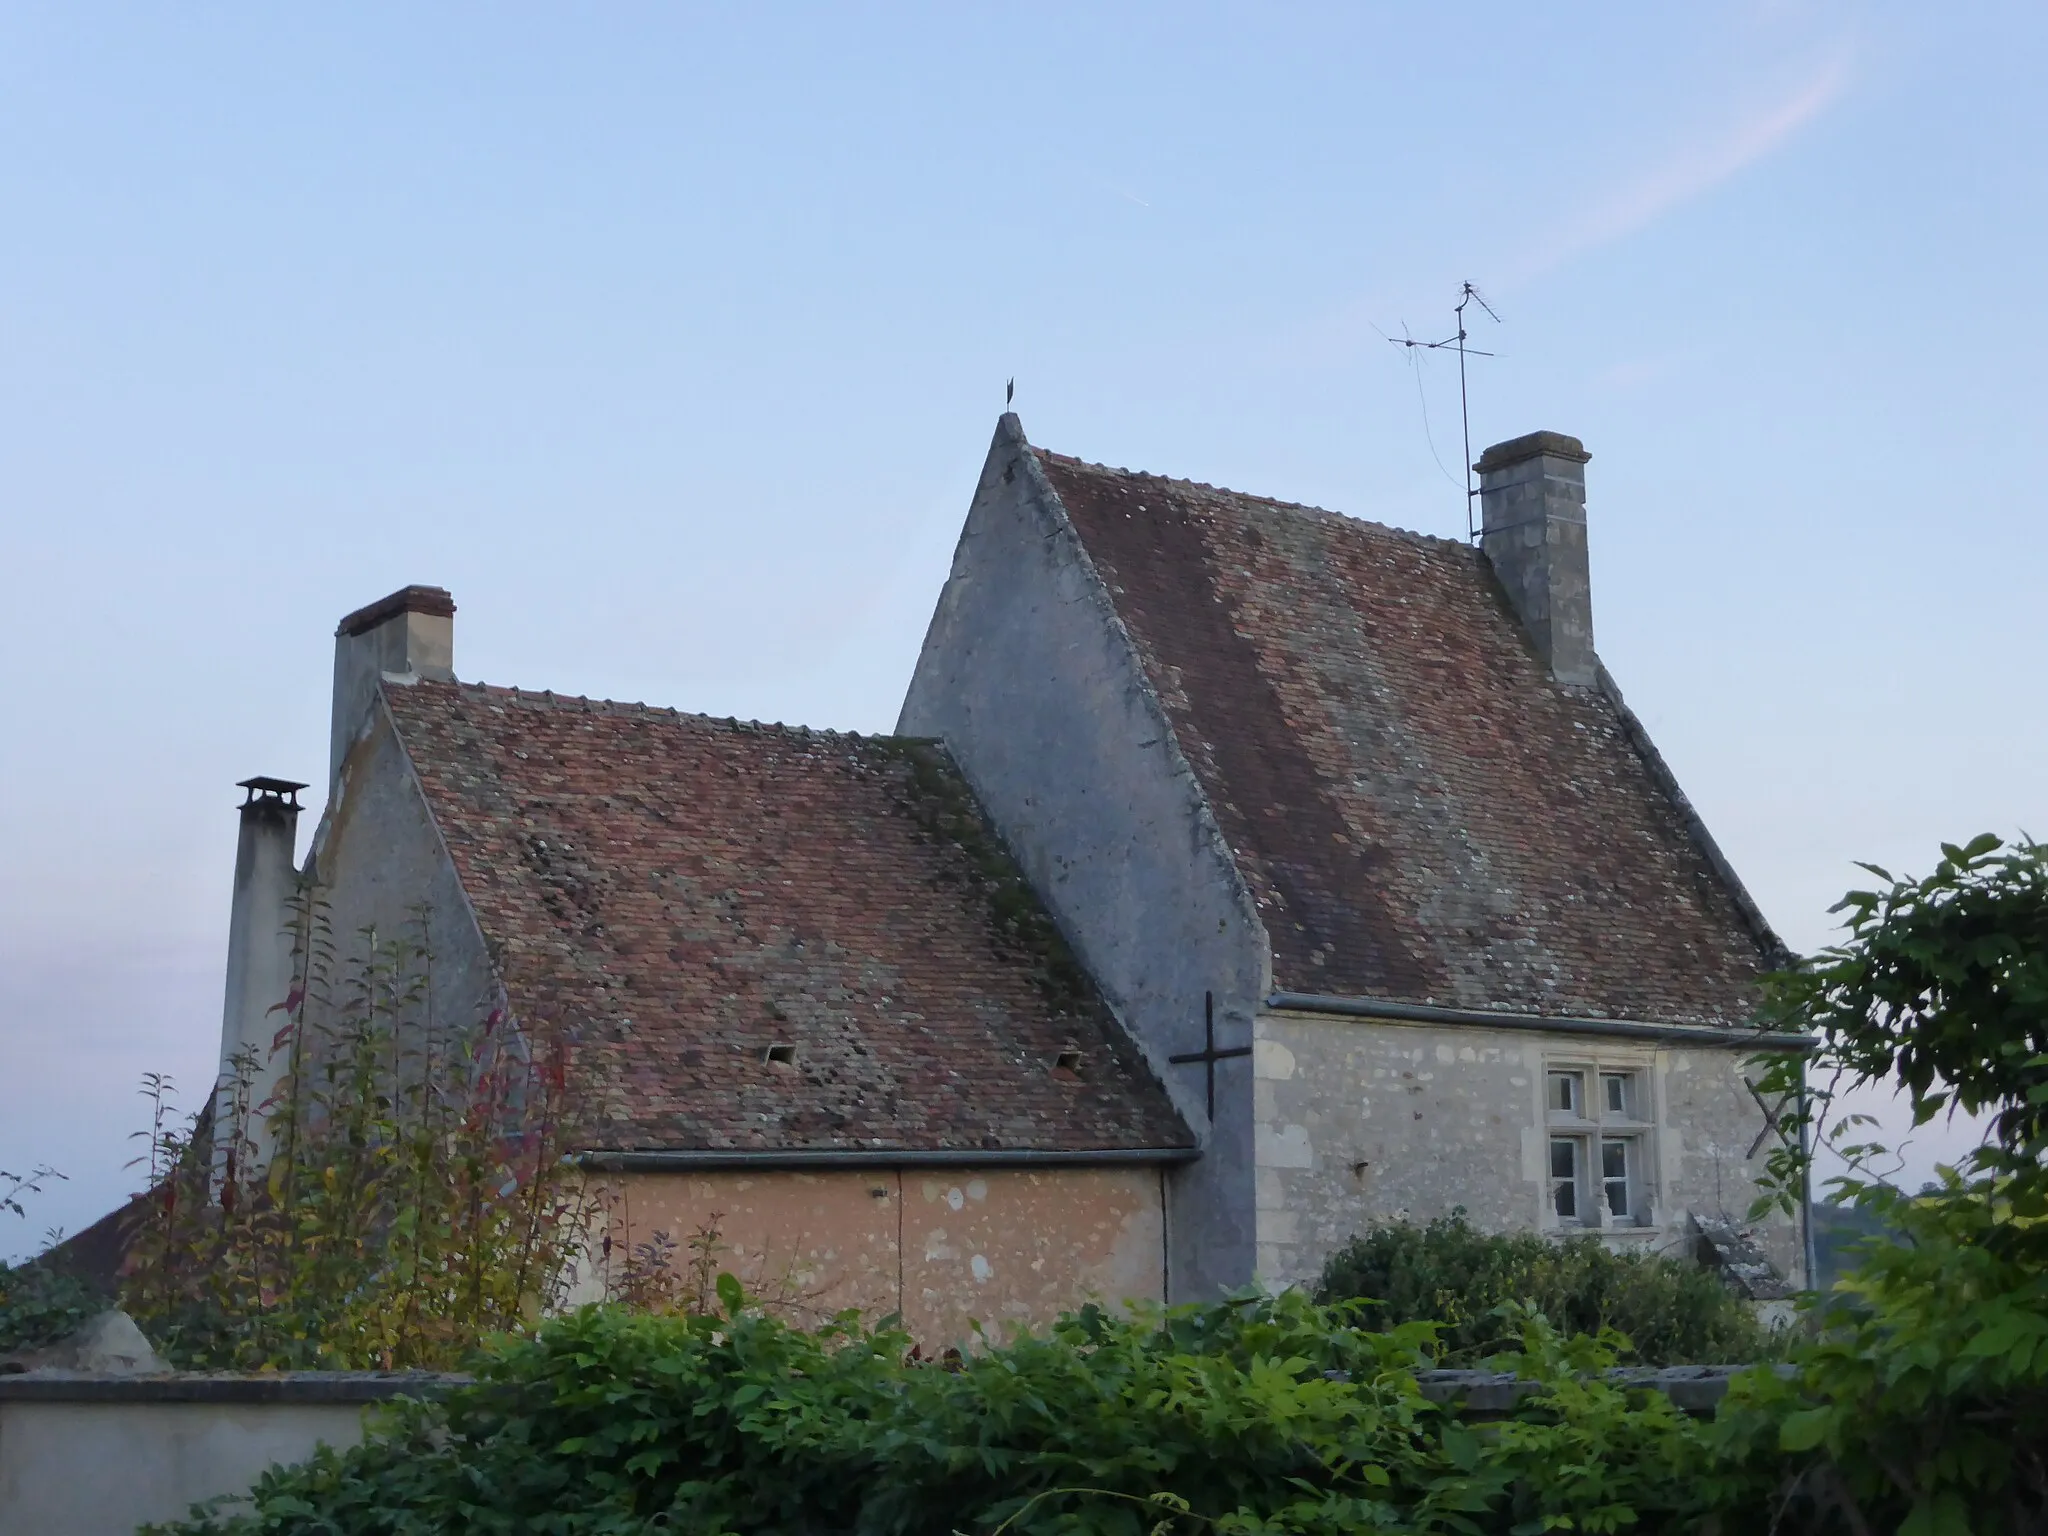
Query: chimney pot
(261, 789)
(262, 962)
(1532, 500)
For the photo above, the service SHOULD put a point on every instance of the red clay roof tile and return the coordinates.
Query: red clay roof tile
(686, 893)
(1422, 813)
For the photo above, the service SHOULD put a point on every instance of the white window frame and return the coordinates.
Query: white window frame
(1593, 1108)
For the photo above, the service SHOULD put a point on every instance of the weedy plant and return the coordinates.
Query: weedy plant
(400, 1196)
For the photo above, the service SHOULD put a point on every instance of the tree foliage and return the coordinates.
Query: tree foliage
(1922, 1405)
(1941, 986)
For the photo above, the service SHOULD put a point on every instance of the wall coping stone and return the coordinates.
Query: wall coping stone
(294, 1388)
(1697, 1389)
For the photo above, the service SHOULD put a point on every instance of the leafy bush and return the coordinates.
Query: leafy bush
(40, 1306)
(1922, 1407)
(1670, 1312)
(1260, 1415)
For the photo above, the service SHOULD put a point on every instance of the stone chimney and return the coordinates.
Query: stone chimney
(1532, 500)
(262, 959)
(406, 636)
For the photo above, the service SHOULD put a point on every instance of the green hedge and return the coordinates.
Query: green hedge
(1256, 1416)
(1673, 1312)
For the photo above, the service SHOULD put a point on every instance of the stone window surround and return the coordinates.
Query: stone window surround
(1590, 1124)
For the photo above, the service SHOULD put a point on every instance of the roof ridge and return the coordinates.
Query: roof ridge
(1274, 502)
(548, 698)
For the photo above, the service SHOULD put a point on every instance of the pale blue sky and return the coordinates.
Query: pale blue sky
(670, 339)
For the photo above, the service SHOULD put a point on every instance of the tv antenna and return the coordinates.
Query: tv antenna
(1467, 294)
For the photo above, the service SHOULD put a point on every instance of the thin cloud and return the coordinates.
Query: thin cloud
(1631, 374)
(1696, 171)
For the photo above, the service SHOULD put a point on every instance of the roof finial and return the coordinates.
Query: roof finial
(1009, 393)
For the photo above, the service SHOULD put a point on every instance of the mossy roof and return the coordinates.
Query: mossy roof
(684, 893)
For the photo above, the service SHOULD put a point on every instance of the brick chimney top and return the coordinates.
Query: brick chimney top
(435, 601)
(1532, 526)
(1530, 445)
(398, 639)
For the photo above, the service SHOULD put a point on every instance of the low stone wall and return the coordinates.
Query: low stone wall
(84, 1455)
(1696, 1389)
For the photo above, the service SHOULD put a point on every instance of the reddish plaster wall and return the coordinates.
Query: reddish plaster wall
(944, 1247)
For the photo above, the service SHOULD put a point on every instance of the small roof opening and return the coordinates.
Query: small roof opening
(780, 1055)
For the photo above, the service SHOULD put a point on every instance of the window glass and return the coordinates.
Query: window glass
(1564, 1092)
(1614, 1171)
(1619, 1092)
(1564, 1176)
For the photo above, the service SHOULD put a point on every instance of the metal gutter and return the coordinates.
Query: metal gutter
(869, 1157)
(1558, 1024)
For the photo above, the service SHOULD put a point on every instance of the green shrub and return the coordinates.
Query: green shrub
(1671, 1312)
(1256, 1416)
(40, 1306)
(1922, 1405)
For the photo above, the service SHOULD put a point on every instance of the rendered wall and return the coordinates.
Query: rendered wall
(1030, 679)
(944, 1248)
(1362, 1121)
(103, 1468)
(378, 864)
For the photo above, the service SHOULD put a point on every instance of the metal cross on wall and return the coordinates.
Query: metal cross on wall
(1208, 1055)
(1774, 1117)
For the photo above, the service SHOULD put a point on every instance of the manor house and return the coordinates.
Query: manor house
(1240, 874)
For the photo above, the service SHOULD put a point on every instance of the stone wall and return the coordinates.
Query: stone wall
(378, 863)
(98, 1456)
(1361, 1120)
(1030, 679)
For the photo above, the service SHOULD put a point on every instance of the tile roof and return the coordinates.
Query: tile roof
(1421, 812)
(686, 892)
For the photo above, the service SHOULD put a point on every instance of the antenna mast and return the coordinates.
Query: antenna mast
(1467, 294)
